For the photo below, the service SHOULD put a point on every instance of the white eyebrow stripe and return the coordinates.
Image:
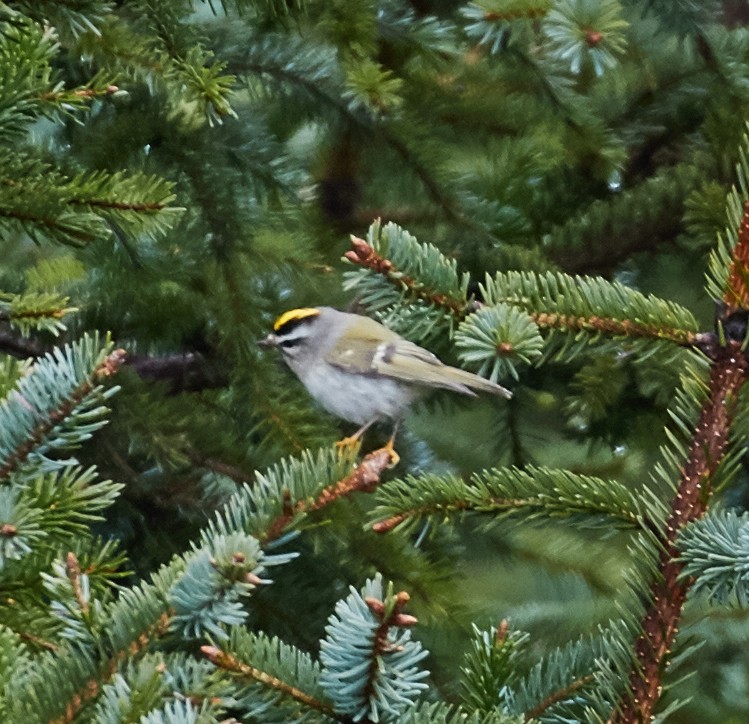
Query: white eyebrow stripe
(293, 335)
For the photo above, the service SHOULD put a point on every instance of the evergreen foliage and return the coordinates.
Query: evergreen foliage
(531, 188)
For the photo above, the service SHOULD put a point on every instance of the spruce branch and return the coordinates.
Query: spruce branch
(210, 593)
(370, 664)
(92, 688)
(65, 96)
(728, 272)
(533, 493)
(57, 404)
(319, 75)
(575, 304)
(71, 229)
(585, 308)
(559, 695)
(41, 201)
(228, 662)
(195, 75)
(668, 591)
(27, 50)
(430, 277)
(70, 594)
(491, 666)
(715, 551)
(34, 311)
(365, 478)
(181, 371)
(638, 219)
(260, 508)
(584, 35)
(737, 289)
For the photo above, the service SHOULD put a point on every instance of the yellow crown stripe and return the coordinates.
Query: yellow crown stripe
(294, 314)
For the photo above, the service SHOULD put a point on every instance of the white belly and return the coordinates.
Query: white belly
(358, 398)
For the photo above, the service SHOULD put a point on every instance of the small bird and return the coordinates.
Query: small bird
(360, 370)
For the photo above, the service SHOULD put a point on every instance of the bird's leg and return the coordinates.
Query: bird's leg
(389, 446)
(352, 440)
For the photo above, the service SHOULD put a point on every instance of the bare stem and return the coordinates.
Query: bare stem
(668, 591)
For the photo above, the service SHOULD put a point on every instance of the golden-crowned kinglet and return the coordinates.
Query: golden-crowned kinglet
(360, 370)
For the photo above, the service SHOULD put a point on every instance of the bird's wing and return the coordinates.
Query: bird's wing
(361, 346)
(395, 358)
(370, 351)
(406, 361)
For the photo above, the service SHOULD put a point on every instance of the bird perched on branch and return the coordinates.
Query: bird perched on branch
(360, 370)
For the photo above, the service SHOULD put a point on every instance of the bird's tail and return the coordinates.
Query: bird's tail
(467, 382)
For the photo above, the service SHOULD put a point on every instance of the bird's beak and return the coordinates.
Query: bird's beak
(269, 341)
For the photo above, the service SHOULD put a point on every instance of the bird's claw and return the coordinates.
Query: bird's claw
(348, 445)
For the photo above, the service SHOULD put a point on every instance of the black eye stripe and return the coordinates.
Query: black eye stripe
(288, 343)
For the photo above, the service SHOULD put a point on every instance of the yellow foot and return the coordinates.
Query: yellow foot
(349, 445)
(394, 457)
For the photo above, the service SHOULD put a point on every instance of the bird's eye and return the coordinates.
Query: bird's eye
(289, 343)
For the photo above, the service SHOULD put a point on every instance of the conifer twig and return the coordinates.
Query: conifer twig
(668, 592)
(363, 254)
(48, 222)
(184, 371)
(224, 660)
(61, 96)
(737, 293)
(38, 641)
(143, 206)
(92, 688)
(389, 616)
(617, 327)
(728, 373)
(73, 571)
(107, 368)
(365, 478)
(558, 695)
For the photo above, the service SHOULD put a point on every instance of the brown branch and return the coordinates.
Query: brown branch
(183, 371)
(364, 255)
(226, 661)
(668, 592)
(737, 291)
(556, 696)
(49, 223)
(118, 205)
(220, 467)
(38, 641)
(364, 478)
(387, 524)
(92, 688)
(73, 571)
(108, 367)
(529, 13)
(617, 327)
(16, 345)
(390, 614)
(79, 93)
